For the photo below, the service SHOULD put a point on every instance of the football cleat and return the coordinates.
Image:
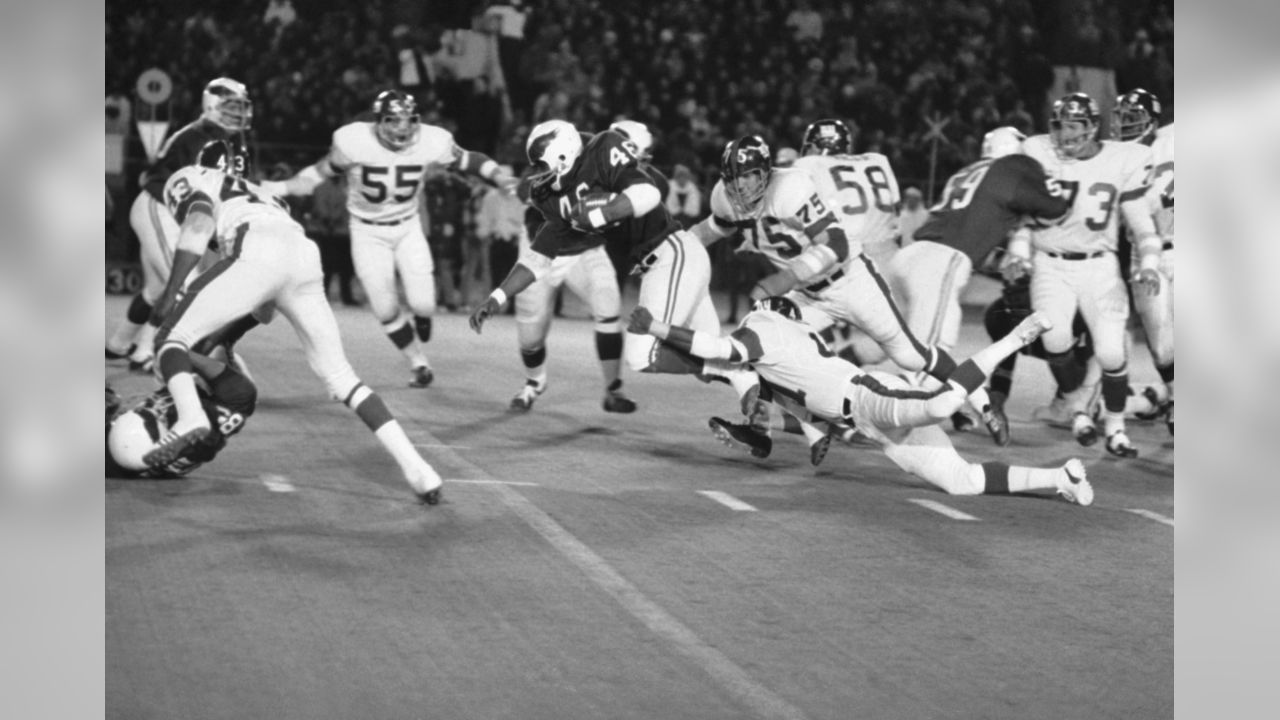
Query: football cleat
(1032, 327)
(426, 484)
(120, 355)
(1158, 405)
(422, 377)
(997, 423)
(743, 437)
(1118, 444)
(530, 392)
(616, 402)
(173, 444)
(1075, 487)
(1084, 429)
(818, 450)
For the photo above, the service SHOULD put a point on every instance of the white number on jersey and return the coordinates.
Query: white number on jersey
(620, 155)
(961, 187)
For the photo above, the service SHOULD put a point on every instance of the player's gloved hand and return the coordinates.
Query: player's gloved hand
(1014, 268)
(641, 320)
(778, 283)
(487, 309)
(1146, 282)
(588, 214)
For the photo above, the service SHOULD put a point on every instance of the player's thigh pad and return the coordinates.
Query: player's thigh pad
(416, 269)
(1053, 293)
(928, 454)
(229, 289)
(594, 280)
(375, 265)
(157, 233)
(307, 309)
(1104, 305)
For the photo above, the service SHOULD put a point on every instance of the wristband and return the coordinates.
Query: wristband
(596, 218)
(498, 296)
(487, 169)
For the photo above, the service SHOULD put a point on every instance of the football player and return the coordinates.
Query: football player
(265, 258)
(979, 206)
(227, 398)
(783, 215)
(385, 160)
(1136, 118)
(226, 113)
(803, 374)
(595, 191)
(1075, 265)
(591, 276)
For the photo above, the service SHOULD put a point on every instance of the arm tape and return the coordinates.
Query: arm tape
(643, 196)
(815, 260)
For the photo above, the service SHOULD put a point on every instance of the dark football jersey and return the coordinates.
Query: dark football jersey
(181, 149)
(605, 166)
(982, 203)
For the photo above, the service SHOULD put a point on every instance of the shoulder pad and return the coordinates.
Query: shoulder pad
(788, 190)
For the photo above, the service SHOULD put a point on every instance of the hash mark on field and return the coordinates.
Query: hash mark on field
(493, 482)
(938, 507)
(728, 500)
(277, 483)
(1151, 516)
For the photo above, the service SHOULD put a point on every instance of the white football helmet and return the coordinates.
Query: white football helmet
(226, 102)
(1002, 141)
(130, 439)
(638, 135)
(553, 147)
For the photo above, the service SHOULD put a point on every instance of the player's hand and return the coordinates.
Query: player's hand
(505, 181)
(582, 216)
(778, 283)
(1014, 268)
(641, 320)
(487, 309)
(1146, 282)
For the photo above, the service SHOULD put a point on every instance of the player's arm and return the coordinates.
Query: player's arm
(193, 209)
(743, 346)
(469, 162)
(719, 224)
(1035, 194)
(828, 248)
(1135, 207)
(309, 178)
(527, 270)
(639, 195)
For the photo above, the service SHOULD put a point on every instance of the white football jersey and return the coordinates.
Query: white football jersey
(1097, 186)
(231, 200)
(1161, 194)
(792, 358)
(864, 193)
(793, 212)
(383, 184)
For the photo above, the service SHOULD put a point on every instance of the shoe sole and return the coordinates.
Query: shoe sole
(818, 452)
(166, 454)
(623, 408)
(431, 497)
(727, 438)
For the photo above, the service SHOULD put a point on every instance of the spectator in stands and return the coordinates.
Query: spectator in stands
(499, 219)
(912, 216)
(328, 227)
(684, 198)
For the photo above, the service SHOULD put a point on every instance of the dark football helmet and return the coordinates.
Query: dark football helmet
(1073, 125)
(226, 103)
(827, 137)
(222, 155)
(1136, 116)
(396, 121)
(779, 304)
(745, 168)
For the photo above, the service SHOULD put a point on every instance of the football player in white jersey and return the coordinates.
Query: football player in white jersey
(1136, 118)
(1075, 265)
(265, 258)
(812, 382)
(385, 160)
(783, 215)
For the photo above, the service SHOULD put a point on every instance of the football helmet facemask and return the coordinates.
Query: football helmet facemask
(827, 137)
(396, 121)
(553, 147)
(1073, 125)
(226, 103)
(1136, 116)
(639, 137)
(782, 305)
(1002, 141)
(745, 168)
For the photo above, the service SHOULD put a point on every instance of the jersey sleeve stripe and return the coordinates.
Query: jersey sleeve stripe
(1134, 193)
(195, 202)
(750, 342)
(822, 224)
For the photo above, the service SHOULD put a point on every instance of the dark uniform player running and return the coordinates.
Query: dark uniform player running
(598, 190)
(979, 206)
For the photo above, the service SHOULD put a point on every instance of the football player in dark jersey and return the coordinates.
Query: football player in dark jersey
(227, 112)
(596, 191)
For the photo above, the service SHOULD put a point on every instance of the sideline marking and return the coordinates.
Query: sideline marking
(938, 507)
(277, 483)
(1151, 515)
(489, 481)
(757, 698)
(728, 500)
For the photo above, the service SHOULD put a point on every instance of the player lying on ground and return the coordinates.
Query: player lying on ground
(811, 382)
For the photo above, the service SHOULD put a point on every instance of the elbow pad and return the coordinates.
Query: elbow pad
(815, 260)
(711, 347)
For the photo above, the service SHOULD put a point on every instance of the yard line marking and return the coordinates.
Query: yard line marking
(277, 483)
(1151, 516)
(443, 445)
(726, 499)
(938, 507)
(757, 698)
(490, 481)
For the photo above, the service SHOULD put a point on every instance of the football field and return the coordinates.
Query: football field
(590, 565)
